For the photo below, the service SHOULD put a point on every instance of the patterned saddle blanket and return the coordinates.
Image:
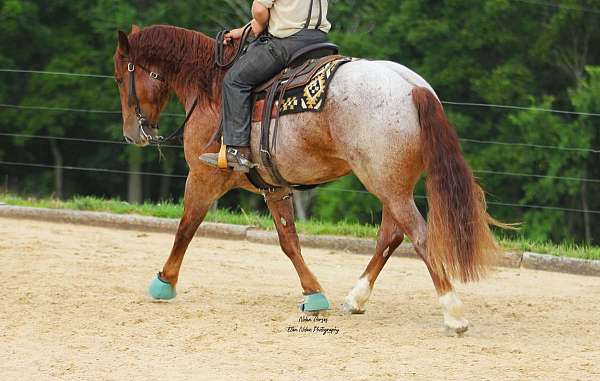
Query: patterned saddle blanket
(299, 89)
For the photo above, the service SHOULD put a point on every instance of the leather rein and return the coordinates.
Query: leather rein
(220, 49)
(143, 122)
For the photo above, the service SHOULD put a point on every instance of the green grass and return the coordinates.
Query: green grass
(174, 210)
(561, 250)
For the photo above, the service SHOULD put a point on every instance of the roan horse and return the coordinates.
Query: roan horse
(381, 121)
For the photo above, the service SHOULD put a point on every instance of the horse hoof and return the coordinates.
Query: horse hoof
(350, 309)
(457, 327)
(314, 303)
(161, 290)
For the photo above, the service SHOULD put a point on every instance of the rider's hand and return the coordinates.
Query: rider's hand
(257, 28)
(234, 34)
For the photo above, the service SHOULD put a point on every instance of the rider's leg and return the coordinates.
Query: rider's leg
(262, 61)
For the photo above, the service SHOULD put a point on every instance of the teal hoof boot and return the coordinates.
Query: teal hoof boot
(161, 290)
(314, 302)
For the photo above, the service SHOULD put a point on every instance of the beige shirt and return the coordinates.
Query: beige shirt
(289, 16)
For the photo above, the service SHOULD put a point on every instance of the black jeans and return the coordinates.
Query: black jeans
(264, 58)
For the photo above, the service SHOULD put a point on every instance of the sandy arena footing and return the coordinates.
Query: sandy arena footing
(74, 306)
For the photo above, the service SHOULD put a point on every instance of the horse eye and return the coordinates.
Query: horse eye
(119, 81)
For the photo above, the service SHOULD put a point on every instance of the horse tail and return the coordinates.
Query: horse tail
(459, 240)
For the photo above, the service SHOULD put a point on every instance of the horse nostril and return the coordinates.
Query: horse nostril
(128, 139)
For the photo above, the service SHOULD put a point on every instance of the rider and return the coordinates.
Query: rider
(282, 27)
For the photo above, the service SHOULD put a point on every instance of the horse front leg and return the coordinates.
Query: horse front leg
(282, 209)
(200, 193)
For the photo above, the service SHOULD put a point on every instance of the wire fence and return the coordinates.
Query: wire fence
(531, 145)
(87, 169)
(67, 109)
(523, 108)
(456, 103)
(535, 175)
(69, 139)
(325, 189)
(66, 74)
(179, 115)
(560, 6)
(62, 109)
(477, 171)
(496, 203)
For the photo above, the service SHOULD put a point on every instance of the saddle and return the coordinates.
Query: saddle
(298, 88)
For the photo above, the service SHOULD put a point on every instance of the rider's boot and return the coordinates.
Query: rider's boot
(237, 158)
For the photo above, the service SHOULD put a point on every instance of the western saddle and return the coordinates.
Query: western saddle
(300, 69)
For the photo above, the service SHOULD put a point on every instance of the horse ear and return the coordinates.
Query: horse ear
(123, 43)
(134, 28)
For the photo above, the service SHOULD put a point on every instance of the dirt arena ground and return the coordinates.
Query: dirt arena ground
(74, 306)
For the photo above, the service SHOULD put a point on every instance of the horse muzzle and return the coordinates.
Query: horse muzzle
(143, 134)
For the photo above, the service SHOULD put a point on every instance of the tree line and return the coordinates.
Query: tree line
(538, 167)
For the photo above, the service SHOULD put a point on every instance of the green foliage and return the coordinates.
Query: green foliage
(494, 51)
(335, 204)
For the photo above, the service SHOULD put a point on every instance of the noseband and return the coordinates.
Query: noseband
(133, 101)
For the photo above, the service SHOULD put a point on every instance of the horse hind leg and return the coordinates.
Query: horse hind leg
(389, 238)
(409, 218)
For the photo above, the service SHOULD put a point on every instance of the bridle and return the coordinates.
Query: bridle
(133, 101)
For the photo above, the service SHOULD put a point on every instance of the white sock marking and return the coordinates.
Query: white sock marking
(453, 311)
(358, 297)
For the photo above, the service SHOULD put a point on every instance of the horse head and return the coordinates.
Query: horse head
(143, 92)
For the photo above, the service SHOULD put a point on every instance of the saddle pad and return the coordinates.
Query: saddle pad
(310, 97)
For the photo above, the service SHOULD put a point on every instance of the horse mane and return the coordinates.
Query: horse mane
(185, 57)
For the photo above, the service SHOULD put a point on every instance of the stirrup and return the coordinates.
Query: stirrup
(243, 163)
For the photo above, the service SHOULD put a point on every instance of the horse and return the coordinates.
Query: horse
(381, 121)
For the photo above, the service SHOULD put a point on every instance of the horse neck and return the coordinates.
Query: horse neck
(204, 121)
(190, 88)
(185, 59)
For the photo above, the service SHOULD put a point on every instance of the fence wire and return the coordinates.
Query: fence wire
(456, 103)
(326, 189)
